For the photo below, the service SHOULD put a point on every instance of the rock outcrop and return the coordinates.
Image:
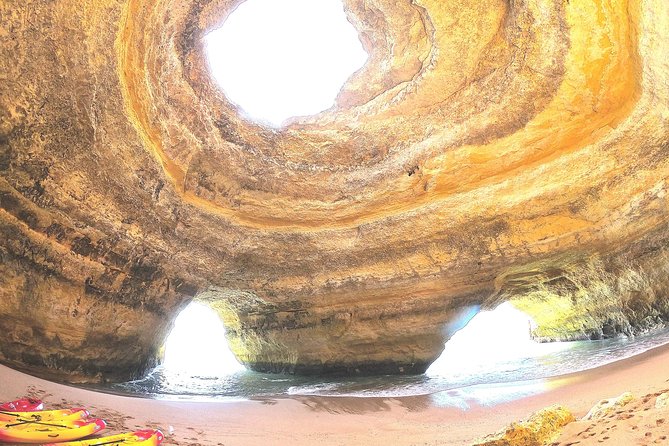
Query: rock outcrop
(662, 401)
(539, 429)
(608, 406)
(517, 150)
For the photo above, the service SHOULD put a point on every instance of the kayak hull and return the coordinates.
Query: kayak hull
(45, 415)
(149, 437)
(44, 432)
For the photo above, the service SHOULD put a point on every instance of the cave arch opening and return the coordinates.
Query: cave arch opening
(490, 339)
(196, 346)
(278, 59)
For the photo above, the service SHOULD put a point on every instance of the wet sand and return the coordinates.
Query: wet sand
(448, 418)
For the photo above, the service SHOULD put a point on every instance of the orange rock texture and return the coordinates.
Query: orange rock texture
(487, 151)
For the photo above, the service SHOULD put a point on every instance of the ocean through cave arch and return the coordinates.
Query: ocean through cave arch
(196, 344)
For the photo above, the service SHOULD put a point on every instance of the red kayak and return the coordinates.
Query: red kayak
(23, 405)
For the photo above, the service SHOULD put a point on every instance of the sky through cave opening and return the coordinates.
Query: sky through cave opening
(278, 59)
(490, 340)
(196, 346)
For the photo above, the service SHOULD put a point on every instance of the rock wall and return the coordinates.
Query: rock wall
(595, 295)
(483, 151)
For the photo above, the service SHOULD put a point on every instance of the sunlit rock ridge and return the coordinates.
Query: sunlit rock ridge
(487, 151)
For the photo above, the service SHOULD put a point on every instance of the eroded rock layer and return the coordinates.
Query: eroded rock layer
(516, 149)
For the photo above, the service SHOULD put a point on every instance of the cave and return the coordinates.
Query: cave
(513, 153)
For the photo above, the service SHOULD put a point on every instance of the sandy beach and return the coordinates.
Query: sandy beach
(417, 420)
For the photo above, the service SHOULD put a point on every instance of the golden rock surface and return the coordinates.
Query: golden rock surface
(539, 429)
(513, 150)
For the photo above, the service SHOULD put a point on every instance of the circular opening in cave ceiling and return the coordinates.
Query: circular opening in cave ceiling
(277, 59)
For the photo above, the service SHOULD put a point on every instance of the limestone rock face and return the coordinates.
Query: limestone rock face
(516, 150)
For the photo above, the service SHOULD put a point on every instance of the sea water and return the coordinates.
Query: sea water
(474, 359)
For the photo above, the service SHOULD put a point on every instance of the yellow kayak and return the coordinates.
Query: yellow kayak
(45, 415)
(30, 431)
(149, 437)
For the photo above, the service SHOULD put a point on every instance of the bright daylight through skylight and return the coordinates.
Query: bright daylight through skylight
(277, 59)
